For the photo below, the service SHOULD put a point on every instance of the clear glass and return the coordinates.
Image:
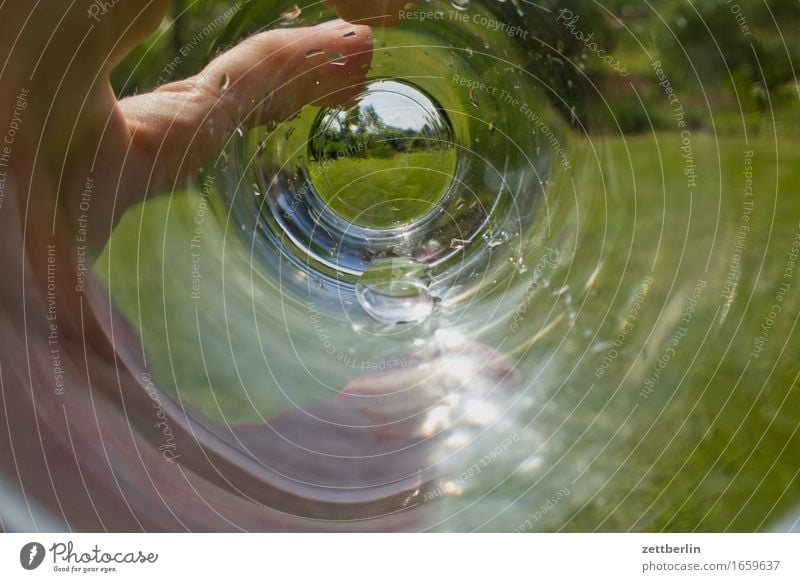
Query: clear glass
(537, 273)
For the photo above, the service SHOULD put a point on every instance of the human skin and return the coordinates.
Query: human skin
(86, 450)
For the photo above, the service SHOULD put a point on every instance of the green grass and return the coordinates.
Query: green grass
(386, 192)
(715, 448)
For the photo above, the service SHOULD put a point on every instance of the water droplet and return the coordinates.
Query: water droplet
(460, 4)
(432, 247)
(339, 59)
(474, 98)
(225, 82)
(532, 463)
(495, 239)
(395, 291)
(292, 14)
(562, 291)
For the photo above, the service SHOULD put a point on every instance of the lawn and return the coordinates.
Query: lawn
(386, 192)
(714, 447)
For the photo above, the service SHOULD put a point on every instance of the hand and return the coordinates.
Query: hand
(78, 158)
(89, 157)
(146, 145)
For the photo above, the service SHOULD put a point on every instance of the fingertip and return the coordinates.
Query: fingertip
(324, 65)
(342, 61)
(338, 42)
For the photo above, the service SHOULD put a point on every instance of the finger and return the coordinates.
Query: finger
(373, 13)
(271, 75)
